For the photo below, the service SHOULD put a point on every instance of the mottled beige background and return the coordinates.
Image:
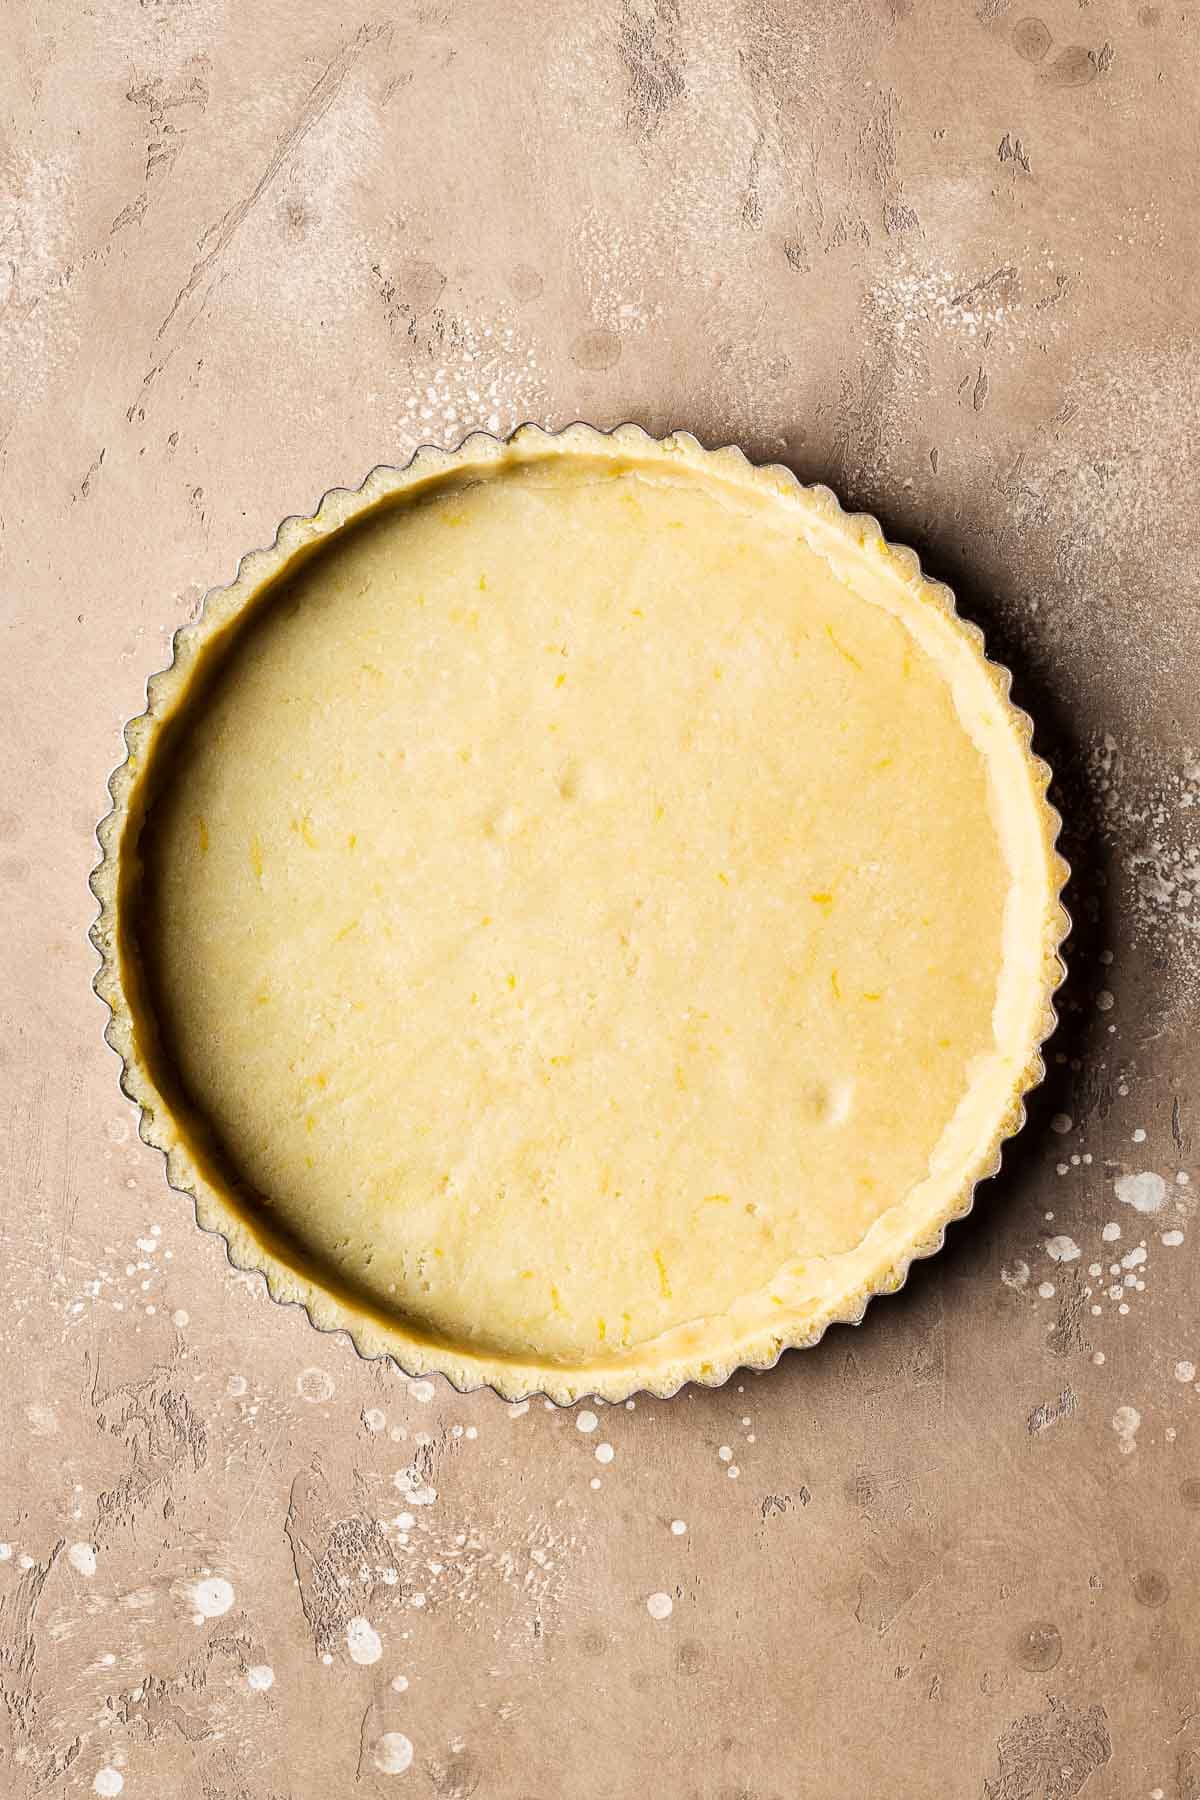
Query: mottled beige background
(940, 254)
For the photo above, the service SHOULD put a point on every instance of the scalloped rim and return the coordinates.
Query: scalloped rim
(217, 1213)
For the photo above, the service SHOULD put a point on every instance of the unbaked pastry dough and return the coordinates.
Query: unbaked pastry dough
(587, 913)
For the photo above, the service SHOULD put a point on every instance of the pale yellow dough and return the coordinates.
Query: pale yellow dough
(601, 910)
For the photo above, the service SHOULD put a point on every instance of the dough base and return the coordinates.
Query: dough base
(592, 914)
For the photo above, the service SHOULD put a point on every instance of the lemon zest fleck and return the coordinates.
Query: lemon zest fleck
(841, 648)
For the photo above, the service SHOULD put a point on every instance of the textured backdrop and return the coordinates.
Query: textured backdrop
(939, 254)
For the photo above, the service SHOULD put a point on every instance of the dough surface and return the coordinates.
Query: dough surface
(586, 914)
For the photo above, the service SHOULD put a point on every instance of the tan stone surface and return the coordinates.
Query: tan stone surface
(939, 255)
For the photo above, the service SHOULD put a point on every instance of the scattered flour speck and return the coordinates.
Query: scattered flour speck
(393, 1753)
(211, 1597)
(1062, 1249)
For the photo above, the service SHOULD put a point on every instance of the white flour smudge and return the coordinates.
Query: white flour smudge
(408, 1482)
(660, 1606)
(363, 1641)
(1145, 1191)
(1062, 1249)
(260, 1677)
(1152, 815)
(315, 1386)
(82, 1559)
(1125, 1422)
(211, 1597)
